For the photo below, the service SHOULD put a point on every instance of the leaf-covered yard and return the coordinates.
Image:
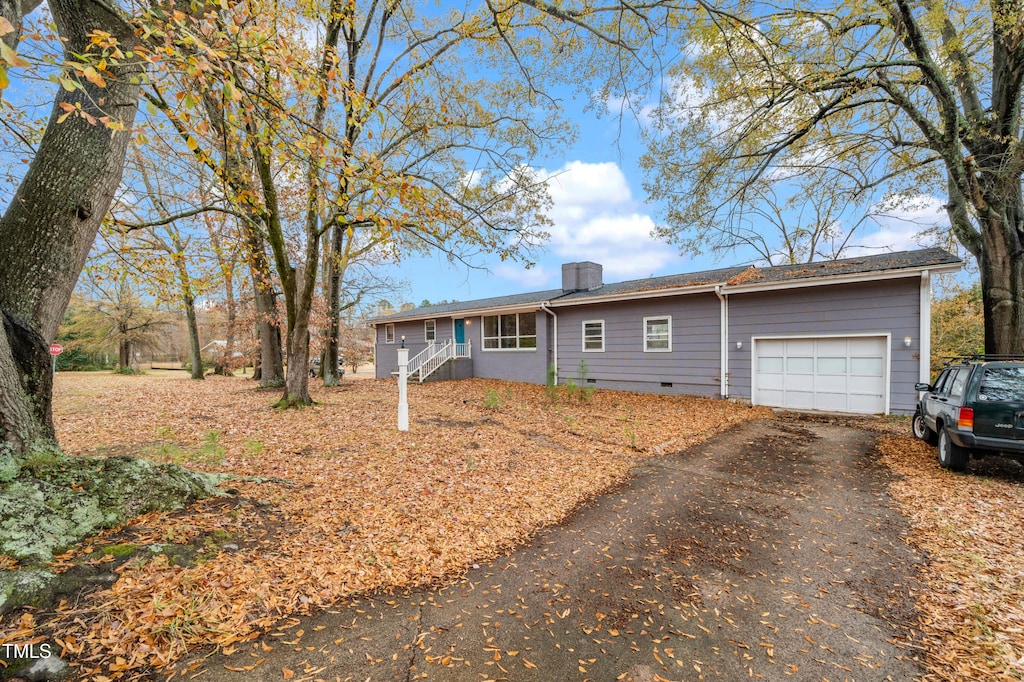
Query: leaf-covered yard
(349, 504)
(352, 503)
(971, 527)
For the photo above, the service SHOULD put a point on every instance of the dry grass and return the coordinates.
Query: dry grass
(484, 465)
(970, 527)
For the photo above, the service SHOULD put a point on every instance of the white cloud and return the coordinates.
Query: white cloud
(578, 183)
(595, 218)
(533, 279)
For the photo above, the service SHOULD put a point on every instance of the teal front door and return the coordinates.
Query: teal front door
(460, 331)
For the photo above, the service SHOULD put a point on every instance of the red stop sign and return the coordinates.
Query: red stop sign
(56, 349)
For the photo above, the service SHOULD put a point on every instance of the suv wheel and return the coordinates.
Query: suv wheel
(951, 455)
(921, 430)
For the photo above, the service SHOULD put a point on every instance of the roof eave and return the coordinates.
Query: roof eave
(468, 312)
(633, 295)
(726, 288)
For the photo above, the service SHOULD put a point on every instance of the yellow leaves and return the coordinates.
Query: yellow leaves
(191, 143)
(11, 58)
(360, 491)
(8, 57)
(94, 77)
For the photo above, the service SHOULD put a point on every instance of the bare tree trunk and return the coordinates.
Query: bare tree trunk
(52, 220)
(232, 313)
(296, 391)
(124, 354)
(26, 421)
(332, 281)
(271, 356)
(1001, 263)
(193, 336)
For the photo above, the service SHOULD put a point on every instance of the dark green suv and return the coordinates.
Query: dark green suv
(975, 406)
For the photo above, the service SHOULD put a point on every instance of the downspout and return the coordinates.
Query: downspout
(373, 326)
(724, 335)
(925, 328)
(554, 342)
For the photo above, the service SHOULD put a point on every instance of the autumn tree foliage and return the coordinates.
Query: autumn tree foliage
(958, 325)
(114, 313)
(889, 99)
(267, 88)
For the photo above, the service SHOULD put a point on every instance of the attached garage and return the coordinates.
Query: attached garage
(836, 374)
(850, 335)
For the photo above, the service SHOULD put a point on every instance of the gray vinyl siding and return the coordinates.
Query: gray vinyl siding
(692, 366)
(511, 365)
(889, 307)
(386, 354)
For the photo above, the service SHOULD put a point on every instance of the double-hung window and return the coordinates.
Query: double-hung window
(389, 333)
(658, 334)
(430, 331)
(593, 336)
(515, 331)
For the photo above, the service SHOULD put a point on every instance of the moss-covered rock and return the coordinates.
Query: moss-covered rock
(25, 587)
(60, 501)
(9, 467)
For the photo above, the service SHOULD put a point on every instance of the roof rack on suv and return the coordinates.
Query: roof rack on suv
(979, 357)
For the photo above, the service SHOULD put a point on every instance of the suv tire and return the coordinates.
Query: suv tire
(921, 430)
(951, 455)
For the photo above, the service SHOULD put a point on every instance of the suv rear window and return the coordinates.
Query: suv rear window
(1002, 384)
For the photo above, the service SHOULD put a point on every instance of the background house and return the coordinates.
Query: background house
(849, 336)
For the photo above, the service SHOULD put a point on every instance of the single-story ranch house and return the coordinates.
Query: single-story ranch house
(850, 335)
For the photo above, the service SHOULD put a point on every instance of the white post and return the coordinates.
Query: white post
(403, 396)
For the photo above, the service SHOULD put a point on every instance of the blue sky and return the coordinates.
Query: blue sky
(600, 214)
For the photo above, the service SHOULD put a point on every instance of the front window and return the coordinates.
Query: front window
(510, 332)
(389, 333)
(429, 331)
(657, 334)
(593, 336)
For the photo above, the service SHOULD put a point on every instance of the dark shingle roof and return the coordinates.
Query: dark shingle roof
(535, 297)
(861, 264)
(733, 276)
(635, 286)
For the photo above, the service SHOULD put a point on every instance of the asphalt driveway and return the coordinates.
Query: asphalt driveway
(769, 552)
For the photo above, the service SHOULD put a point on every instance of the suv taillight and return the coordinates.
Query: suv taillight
(966, 419)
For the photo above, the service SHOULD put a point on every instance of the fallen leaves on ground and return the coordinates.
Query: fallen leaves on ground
(970, 528)
(354, 505)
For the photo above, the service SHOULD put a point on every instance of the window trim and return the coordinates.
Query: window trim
(426, 333)
(584, 337)
(518, 337)
(647, 349)
(389, 331)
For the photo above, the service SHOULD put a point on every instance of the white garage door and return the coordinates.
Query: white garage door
(848, 374)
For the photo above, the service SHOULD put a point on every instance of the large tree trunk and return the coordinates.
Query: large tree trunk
(50, 224)
(332, 280)
(271, 356)
(1001, 263)
(25, 417)
(193, 337)
(124, 355)
(296, 386)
